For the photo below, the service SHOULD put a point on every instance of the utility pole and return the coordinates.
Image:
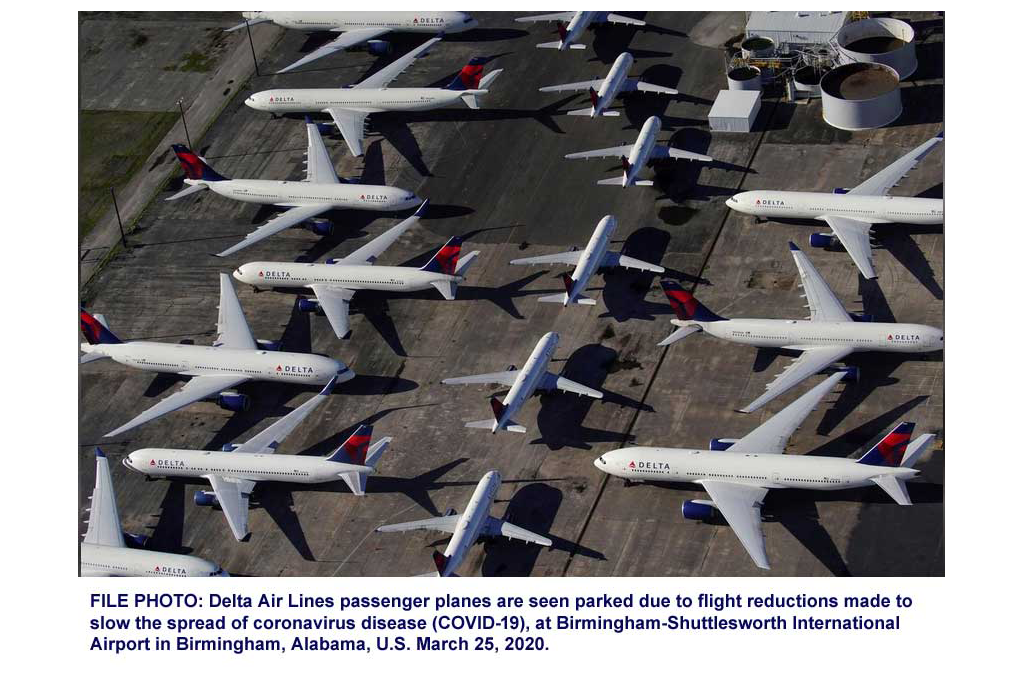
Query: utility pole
(124, 241)
(181, 108)
(251, 47)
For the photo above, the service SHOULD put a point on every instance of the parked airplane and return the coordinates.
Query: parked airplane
(357, 28)
(850, 212)
(571, 26)
(533, 376)
(604, 91)
(234, 471)
(321, 192)
(336, 281)
(349, 106)
(234, 358)
(103, 551)
(476, 521)
(829, 335)
(739, 473)
(638, 155)
(587, 261)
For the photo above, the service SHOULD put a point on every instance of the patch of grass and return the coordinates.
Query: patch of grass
(113, 145)
(193, 61)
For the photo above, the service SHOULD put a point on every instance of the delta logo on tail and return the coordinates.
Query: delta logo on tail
(468, 77)
(686, 306)
(890, 450)
(440, 561)
(94, 331)
(593, 98)
(446, 259)
(562, 32)
(357, 444)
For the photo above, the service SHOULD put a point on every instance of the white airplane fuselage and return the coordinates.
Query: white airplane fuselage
(796, 334)
(760, 470)
(575, 28)
(529, 377)
(642, 149)
(300, 193)
(411, 22)
(472, 521)
(284, 101)
(612, 83)
(102, 560)
(400, 279)
(592, 257)
(198, 360)
(875, 209)
(285, 468)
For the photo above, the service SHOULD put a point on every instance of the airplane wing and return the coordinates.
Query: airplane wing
(644, 87)
(502, 377)
(662, 151)
(613, 18)
(319, 167)
(334, 303)
(569, 258)
(581, 85)
(772, 435)
(267, 440)
(287, 219)
(232, 328)
(554, 382)
(443, 524)
(382, 78)
(350, 123)
(554, 16)
(497, 527)
(806, 365)
(104, 525)
(197, 388)
(369, 252)
(620, 151)
(740, 504)
(882, 182)
(233, 498)
(822, 302)
(856, 238)
(618, 259)
(347, 39)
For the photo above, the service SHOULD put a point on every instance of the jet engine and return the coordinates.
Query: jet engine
(325, 129)
(234, 401)
(720, 444)
(840, 191)
(852, 373)
(136, 541)
(268, 345)
(324, 227)
(824, 240)
(693, 509)
(863, 318)
(229, 447)
(205, 498)
(309, 305)
(378, 48)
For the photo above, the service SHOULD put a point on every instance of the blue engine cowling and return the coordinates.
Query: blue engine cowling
(230, 447)
(378, 48)
(136, 541)
(720, 444)
(205, 498)
(269, 345)
(308, 305)
(823, 240)
(233, 401)
(862, 318)
(840, 191)
(852, 373)
(325, 129)
(696, 510)
(324, 227)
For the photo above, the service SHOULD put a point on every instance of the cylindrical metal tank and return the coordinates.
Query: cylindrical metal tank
(744, 78)
(860, 96)
(879, 41)
(757, 46)
(807, 81)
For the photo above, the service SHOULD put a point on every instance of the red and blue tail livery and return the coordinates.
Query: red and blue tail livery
(195, 168)
(686, 306)
(890, 450)
(95, 332)
(441, 562)
(446, 259)
(353, 450)
(469, 77)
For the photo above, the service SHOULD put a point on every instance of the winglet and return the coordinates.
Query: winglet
(422, 209)
(890, 450)
(329, 388)
(309, 119)
(354, 448)
(793, 247)
(99, 454)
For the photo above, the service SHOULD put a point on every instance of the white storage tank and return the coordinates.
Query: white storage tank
(735, 110)
(744, 78)
(807, 82)
(860, 96)
(879, 41)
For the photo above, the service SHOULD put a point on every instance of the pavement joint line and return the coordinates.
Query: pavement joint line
(664, 352)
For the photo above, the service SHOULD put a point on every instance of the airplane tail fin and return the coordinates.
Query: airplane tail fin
(563, 30)
(441, 562)
(890, 450)
(354, 449)
(95, 330)
(469, 77)
(447, 258)
(686, 306)
(196, 168)
(593, 97)
(494, 425)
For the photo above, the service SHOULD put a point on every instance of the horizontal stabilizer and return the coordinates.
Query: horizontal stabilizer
(585, 112)
(251, 22)
(643, 183)
(895, 488)
(492, 425)
(357, 481)
(680, 334)
(90, 357)
(446, 288)
(556, 45)
(471, 101)
(488, 80)
(560, 298)
(617, 181)
(915, 449)
(188, 190)
(466, 262)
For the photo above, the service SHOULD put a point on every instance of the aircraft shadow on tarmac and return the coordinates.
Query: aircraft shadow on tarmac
(561, 416)
(534, 508)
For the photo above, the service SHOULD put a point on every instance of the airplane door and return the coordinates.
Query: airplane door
(777, 478)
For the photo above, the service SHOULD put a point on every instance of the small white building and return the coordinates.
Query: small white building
(735, 110)
(796, 28)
